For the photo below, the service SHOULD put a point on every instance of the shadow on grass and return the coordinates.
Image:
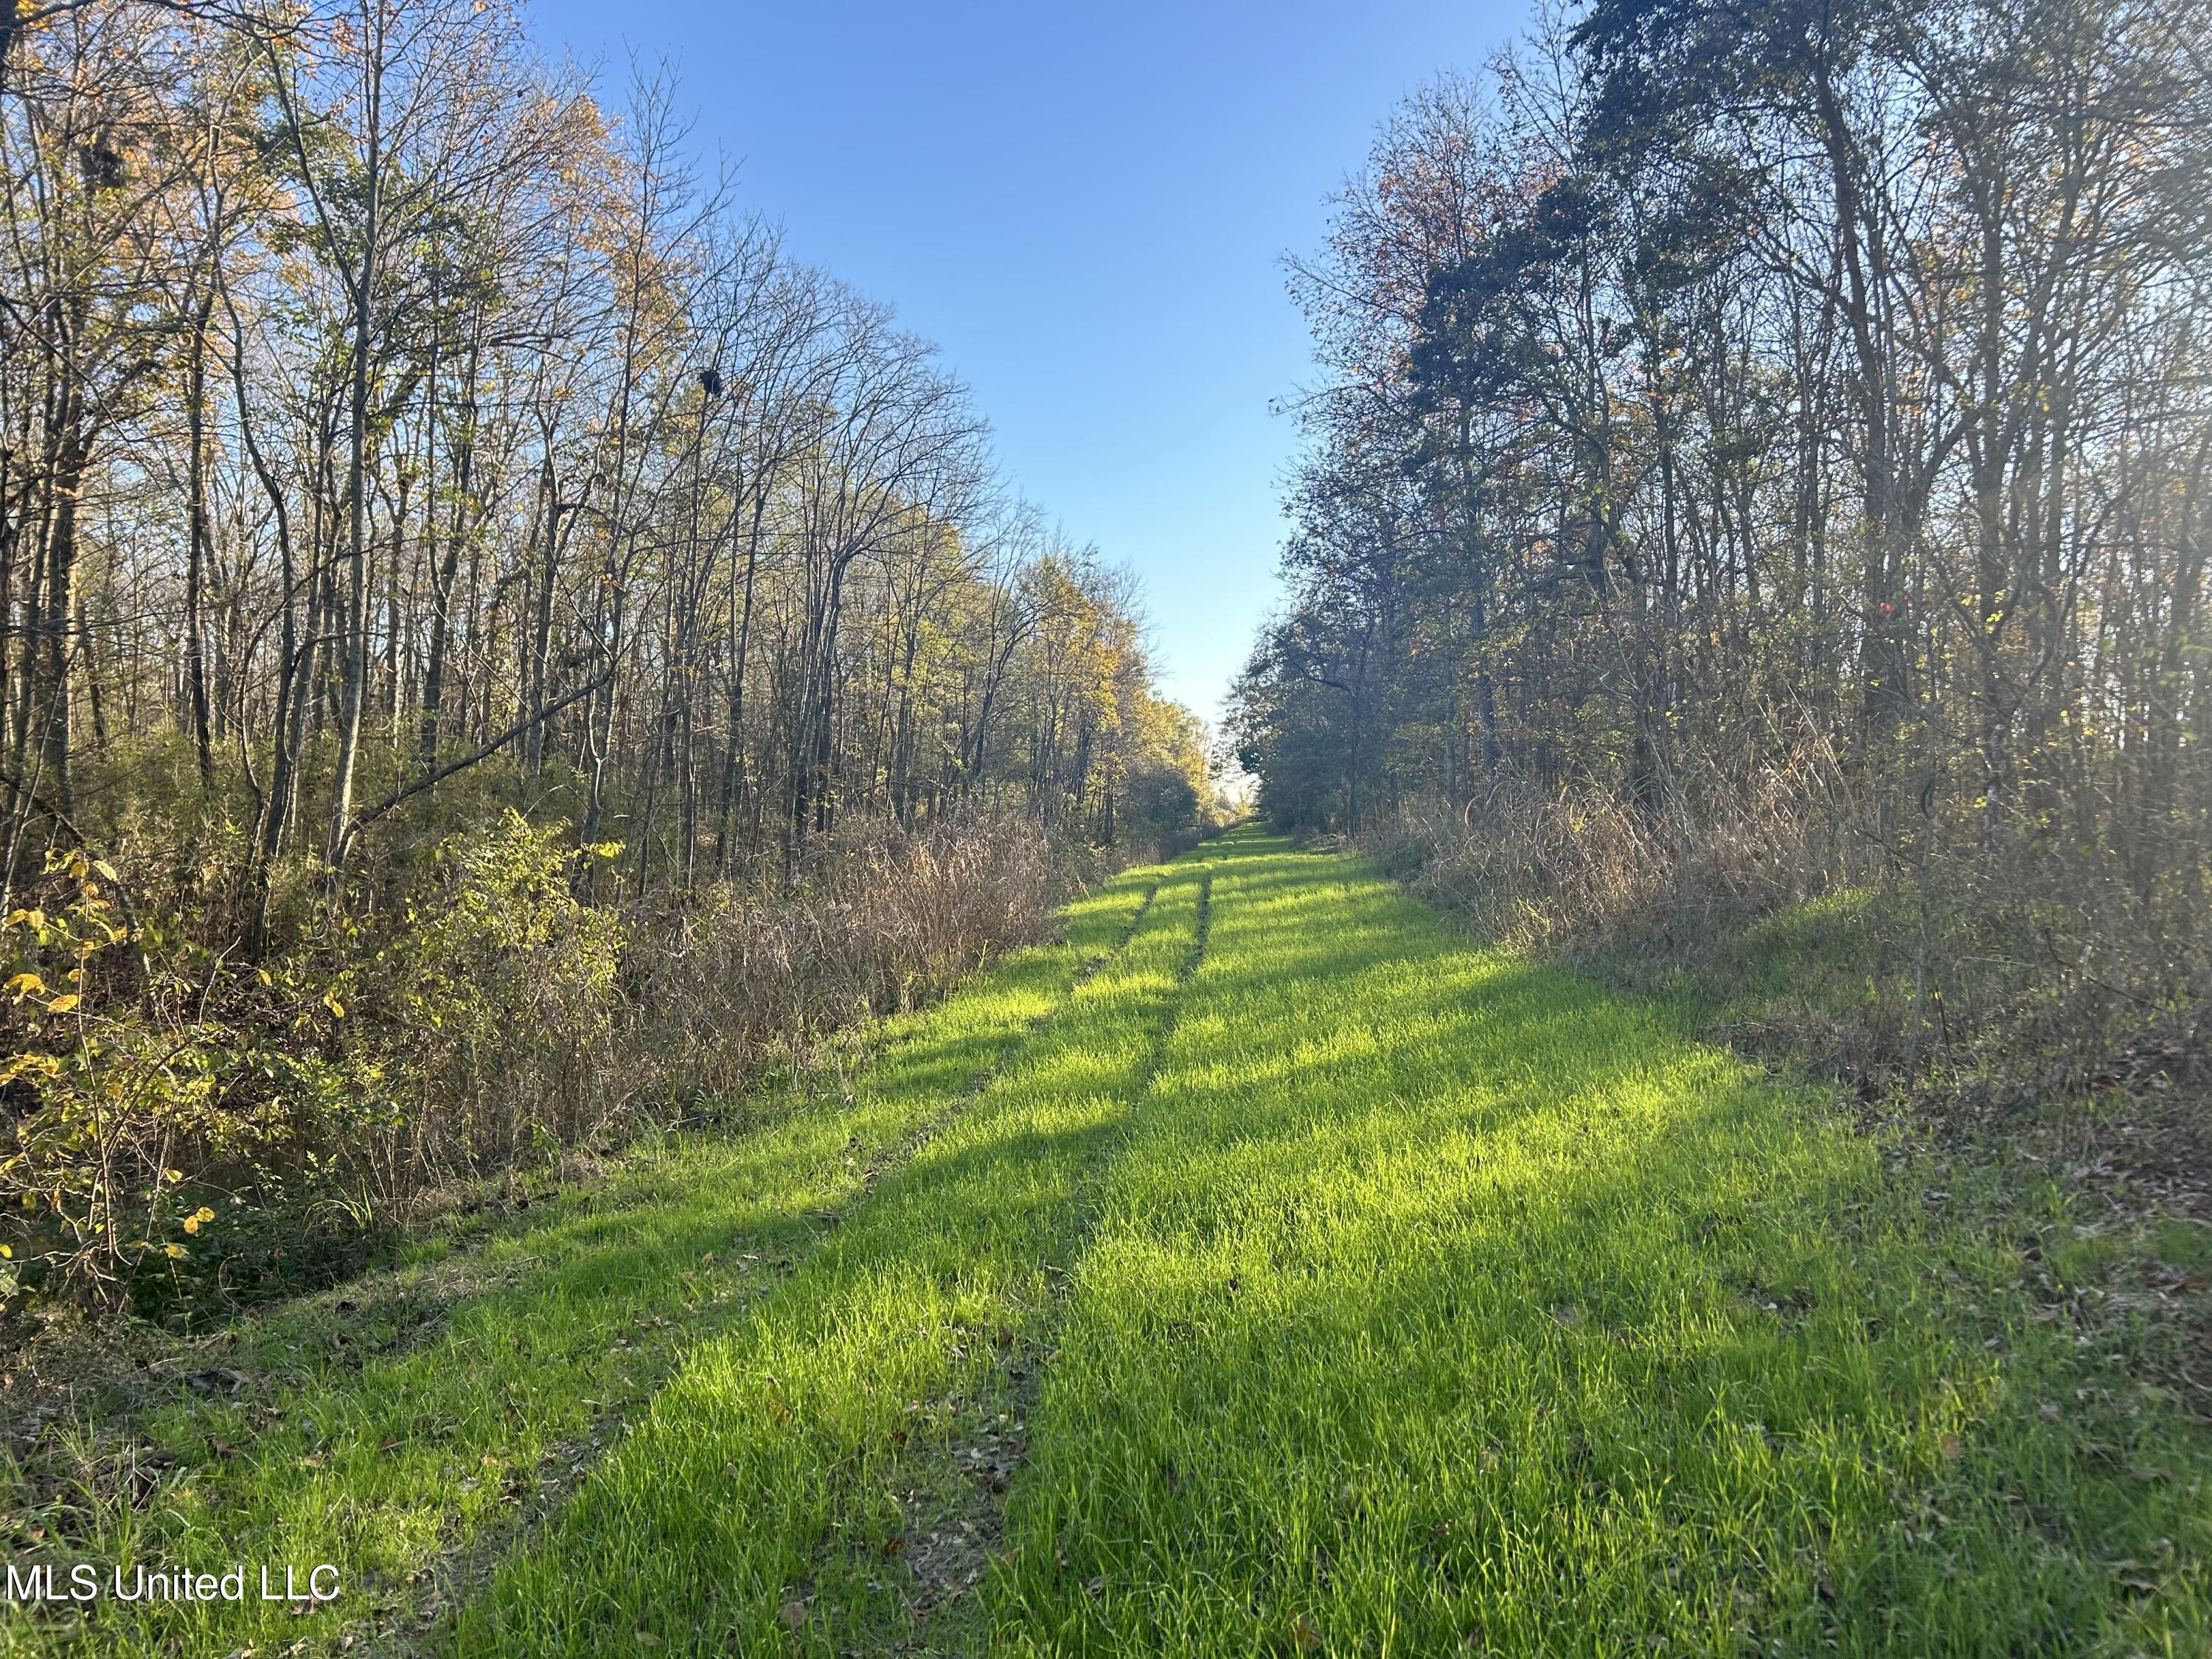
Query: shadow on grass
(300, 1435)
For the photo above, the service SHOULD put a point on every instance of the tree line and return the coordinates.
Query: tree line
(493, 650)
(1800, 411)
(376, 404)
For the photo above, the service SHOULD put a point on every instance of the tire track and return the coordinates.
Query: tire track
(965, 1490)
(981, 1084)
(411, 1627)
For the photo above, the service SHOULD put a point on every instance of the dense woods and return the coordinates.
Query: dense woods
(458, 576)
(1762, 455)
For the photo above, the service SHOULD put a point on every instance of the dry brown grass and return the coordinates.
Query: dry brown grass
(489, 1021)
(1900, 939)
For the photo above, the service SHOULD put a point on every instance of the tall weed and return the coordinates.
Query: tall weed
(185, 1130)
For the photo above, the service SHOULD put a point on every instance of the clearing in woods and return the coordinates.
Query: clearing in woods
(1261, 1270)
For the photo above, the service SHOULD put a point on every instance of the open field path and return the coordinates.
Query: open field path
(414, 1425)
(1443, 1303)
(1277, 1274)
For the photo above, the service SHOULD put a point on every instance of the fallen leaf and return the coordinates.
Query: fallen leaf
(1305, 1635)
(794, 1613)
(1950, 1446)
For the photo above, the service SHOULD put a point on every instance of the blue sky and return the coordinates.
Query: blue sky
(1085, 208)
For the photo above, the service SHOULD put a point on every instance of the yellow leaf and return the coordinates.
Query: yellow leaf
(63, 1005)
(106, 869)
(193, 1221)
(173, 1251)
(23, 1064)
(26, 985)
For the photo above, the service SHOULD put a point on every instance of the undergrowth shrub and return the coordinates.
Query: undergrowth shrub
(185, 1130)
(496, 1008)
(879, 922)
(1910, 941)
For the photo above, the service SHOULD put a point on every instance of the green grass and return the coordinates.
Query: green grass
(1828, 982)
(400, 1426)
(1443, 1303)
(1299, 1280)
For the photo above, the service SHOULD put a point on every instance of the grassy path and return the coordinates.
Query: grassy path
(760, 1496)
(411, 1427)
(1277, 1274)
(1442, 1303)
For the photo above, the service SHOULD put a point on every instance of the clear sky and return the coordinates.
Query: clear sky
(1085, 207)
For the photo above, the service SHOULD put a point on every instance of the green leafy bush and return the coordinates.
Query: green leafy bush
(187, 1130)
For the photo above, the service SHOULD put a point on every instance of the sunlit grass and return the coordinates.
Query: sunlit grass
(389, 1427)
(761, 1472)
(1300, 1280)
(1442, 1303)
